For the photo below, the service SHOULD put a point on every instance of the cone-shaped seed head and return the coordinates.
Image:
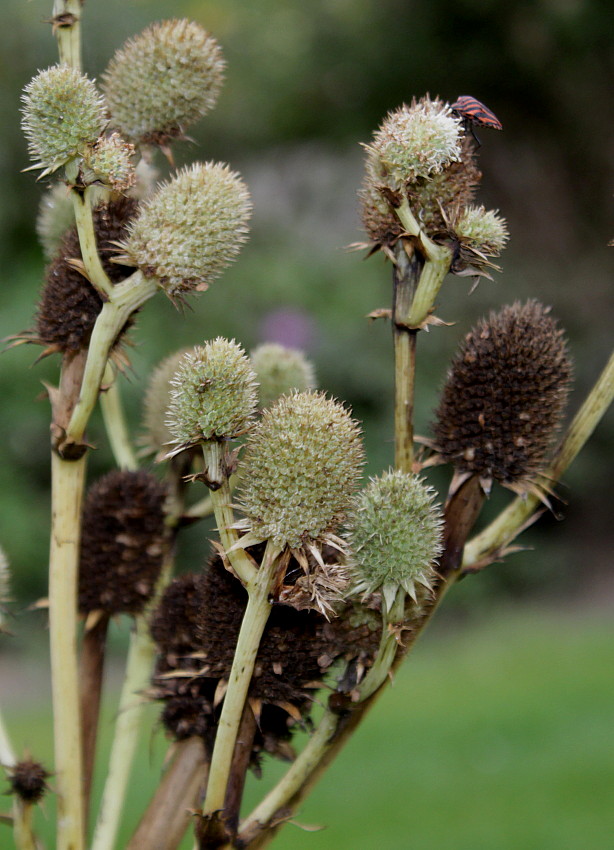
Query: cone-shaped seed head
(110, 162)
(191, 228)
(69, 304)
(163, 80)
(482, 229)
(395, 535)
(213, 394)
(504, 395)
(62, 114)
(301, 466)
(28, 781)
(156, 434)
(280, 370)
(122, 542)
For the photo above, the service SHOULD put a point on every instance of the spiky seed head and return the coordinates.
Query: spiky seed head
(414, 142)
(301, 465)
(28, 780)
(156, 434)
(63, 114)
(482, 230)
(191, 228)
(395, 535)
(279, 370)
(123, 542)
(163, 80)
(213, 395)
(174, 622)
(110, 162)
(55, 216)
(69, 304)
(504, 396)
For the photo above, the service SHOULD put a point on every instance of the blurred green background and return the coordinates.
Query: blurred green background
(306, 83)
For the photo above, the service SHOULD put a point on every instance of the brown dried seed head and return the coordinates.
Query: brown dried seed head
(504, 395)
(122, 542)
(28, 780)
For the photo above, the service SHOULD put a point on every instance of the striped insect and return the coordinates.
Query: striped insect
(474, 112)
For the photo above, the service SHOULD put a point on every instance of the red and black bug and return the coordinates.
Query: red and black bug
(474, 112)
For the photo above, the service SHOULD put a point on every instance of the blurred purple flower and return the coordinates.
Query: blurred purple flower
(290, 327)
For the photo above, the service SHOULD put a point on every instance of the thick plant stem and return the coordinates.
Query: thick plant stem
(511, 521)
(115, 423)
(170, 811)
(7, 756)
(82, 205)
(405, 276)
(91, 670)
(23, 830)
(389, 644)
(67, 24)
(66, 495)
(252, 627)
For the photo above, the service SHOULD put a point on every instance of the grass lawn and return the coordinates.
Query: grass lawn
(496, 735)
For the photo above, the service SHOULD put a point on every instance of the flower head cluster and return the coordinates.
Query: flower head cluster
(191, 228)
(63, 114)
(163, 80)
(213, 395)
(280, 370)
(394, 536)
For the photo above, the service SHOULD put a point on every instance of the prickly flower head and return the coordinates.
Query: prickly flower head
(110, 162)
(480, 233)
(280, 370)
(191, 228)
(213, 394)
(157, 399)
(414, 142)
(163, 80)
(301, 465)
(63, 114)
(395, 535)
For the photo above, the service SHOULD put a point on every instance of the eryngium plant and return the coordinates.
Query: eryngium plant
(315, 589)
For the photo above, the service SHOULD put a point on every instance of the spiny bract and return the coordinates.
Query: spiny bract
(213, 394)
(394, 535)
(63, 114)
(163, 80)
(302, 463)
(191, 228)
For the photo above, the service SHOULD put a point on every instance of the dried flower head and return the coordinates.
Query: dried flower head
(395, 535)
(213, 395)
(156, 434)
(504, 396)
(163, 80)
(279, 370)
(62, 115)
(69, 304)
(110, 162)
(123, 542)
(28, 780)
(191, 228)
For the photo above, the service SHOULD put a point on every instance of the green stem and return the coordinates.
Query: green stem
(130, 712)
(66, 495)
(513, 519)
(115, 422)
(252, 627)
(23, 830)
(389, 644)
(82, 204)
(405, 276)
(67, 21)
(125, 298)
(7, 755)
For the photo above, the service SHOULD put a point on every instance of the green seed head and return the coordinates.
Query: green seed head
(63, 114)
(55, 216)
(110, 162)
(191, 228)
(156, 434)
(414, 142)
(279, 370)
(213, 394)
(301, 465)
(163, 80)
(395, 535)
(482, 230)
